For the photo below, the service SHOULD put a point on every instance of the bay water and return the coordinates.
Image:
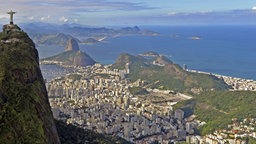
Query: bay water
(222, 49)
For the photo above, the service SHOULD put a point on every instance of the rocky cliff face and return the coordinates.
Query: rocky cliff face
(72, 56)
(82, 59)
(25, 113)
(72, 45)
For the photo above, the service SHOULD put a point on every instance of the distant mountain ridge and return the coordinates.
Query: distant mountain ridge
(45, 33)
(51, 39)
(47, 28)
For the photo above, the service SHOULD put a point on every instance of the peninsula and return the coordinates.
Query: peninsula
(72, 56)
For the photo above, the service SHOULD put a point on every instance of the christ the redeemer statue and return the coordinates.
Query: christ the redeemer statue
(11, 13)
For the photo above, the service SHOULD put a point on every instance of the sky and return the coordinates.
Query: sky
(132, 12)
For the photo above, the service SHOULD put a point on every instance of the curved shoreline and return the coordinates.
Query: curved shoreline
(237, 84)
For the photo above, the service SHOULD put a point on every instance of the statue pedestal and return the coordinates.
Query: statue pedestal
(10, 27)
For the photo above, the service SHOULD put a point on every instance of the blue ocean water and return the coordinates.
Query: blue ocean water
(223, 49)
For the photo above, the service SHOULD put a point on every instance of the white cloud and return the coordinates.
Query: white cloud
(4, 16)
(63, 19)
(42, 18)
(31, 18)
(254, 8)
(189, 13)
(172, 13)
(205, 12)
(45, 18)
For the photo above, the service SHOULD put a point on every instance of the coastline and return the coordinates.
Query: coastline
(237, 84)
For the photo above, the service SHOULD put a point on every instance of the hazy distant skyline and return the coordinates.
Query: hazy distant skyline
(132, 12)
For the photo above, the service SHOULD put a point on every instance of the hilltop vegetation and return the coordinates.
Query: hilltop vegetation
(76, 58)
(25, 113)
(217, 108)
(70, 134)
(72, 56)
(162, 73)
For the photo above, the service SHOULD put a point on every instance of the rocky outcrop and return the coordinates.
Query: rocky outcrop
(72, 45)
(25, 113)
(72, 56)
(82, 59)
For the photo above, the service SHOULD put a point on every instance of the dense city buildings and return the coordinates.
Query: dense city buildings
(99, 98)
